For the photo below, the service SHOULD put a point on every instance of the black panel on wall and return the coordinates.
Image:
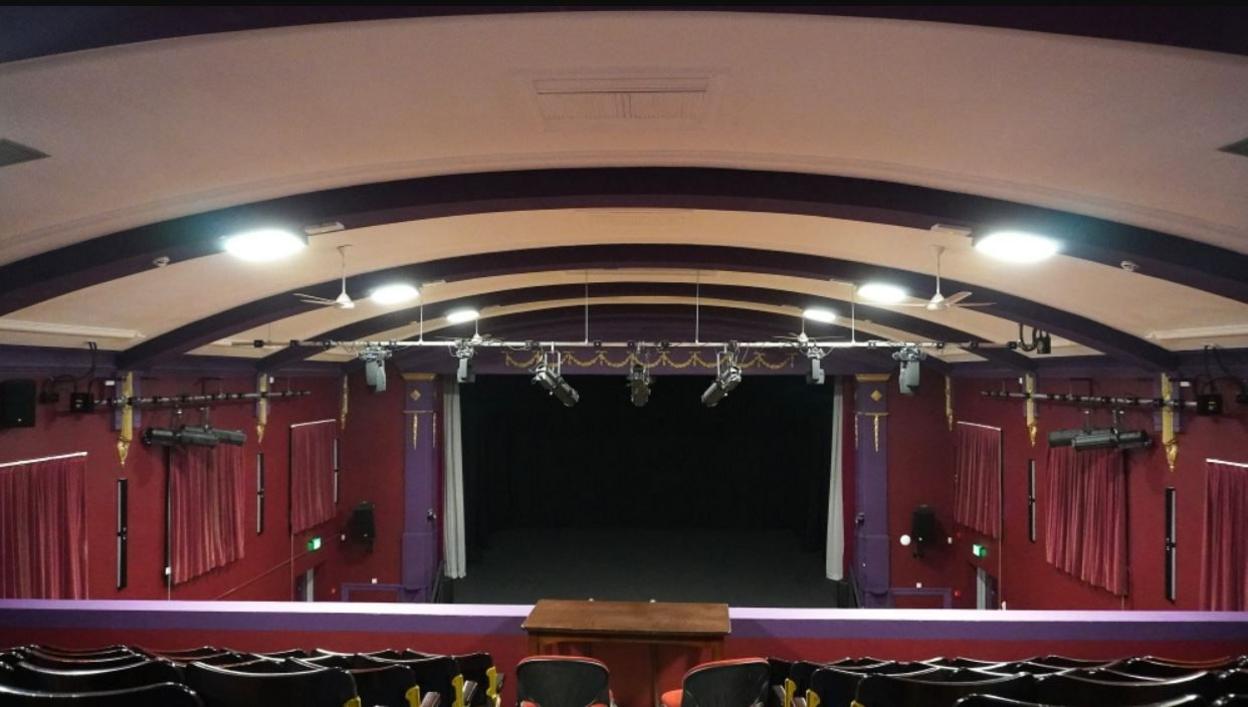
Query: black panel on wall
(1031, 500)
(1171, 546)
(759, 460)
(123, 529)
(259, 493)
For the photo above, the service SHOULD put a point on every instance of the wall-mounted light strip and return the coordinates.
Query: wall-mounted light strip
(1171, 546)
(259, 493)
(52, 329)
(123, 522)
(1031, 500)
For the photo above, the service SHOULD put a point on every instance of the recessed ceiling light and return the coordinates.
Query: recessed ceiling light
(264, 244)
(395, 293)
(459, 316)
(882, 292)
(819, 314)
(1017, 246)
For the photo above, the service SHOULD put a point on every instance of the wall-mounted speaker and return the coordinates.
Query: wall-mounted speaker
(360, 526)
(923, 525)
(17, 403)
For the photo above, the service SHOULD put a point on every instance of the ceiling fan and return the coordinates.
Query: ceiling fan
(939, 302)
(343, 300)
(802, 337)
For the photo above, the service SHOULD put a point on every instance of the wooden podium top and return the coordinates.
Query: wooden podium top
(628, 618)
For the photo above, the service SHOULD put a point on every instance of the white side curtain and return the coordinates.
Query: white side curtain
(455, 546)
(835, 561)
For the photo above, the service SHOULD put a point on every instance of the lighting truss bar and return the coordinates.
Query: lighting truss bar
(1108, 401)
(529, 345)
(198, 400)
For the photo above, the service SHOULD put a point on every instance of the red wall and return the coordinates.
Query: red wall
(1027, 581)
(370, 470)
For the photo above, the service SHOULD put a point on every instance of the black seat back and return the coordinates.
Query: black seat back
(159, 695)
(895, 690)
(727, 683)
(87, 653)
(434, 674)
(479, 669)
(56, 662)
(1061, 661)
(1084, 692)
(221, 687)
(387, 686)
(992, 701)
(779, 678)
(186, 654)
(562, 681)
(33, 677)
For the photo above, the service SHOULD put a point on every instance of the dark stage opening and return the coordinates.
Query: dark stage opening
(672, 501)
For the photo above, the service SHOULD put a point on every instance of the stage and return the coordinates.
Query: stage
(762, 568)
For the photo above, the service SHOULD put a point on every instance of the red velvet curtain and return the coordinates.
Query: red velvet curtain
(1226, 537)
(311, 475)
(1086, 516)
(977, 483)
(43, 531)
(207, 494)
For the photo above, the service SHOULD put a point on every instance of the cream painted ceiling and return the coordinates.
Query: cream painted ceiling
(146, 132)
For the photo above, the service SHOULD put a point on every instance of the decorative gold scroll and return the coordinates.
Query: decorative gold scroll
(758, 360)
(342, 412)
(125, 435)
(875, 428)
(1029, 406)
(949, 401)
(1169, 440)
(416, 424)
(262, 407)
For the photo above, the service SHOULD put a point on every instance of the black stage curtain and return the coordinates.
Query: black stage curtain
(757, 461)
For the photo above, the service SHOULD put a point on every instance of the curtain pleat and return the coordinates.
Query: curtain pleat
(1086, 516)
(311, 475)
(1225, 585)
(834, 562)
(977, 484)
(454, 534)
(207, 494)
(43, 541)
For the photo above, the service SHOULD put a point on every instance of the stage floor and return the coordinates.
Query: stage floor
(741, 568)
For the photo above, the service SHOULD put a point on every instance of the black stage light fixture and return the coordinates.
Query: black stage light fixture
(1063, 438)
(815, 375)
(464, 351)
(548, 377)
(1095, 439)
(908, 374)
(727, 378)
(639, 385)
(192, 436)
(374, 358)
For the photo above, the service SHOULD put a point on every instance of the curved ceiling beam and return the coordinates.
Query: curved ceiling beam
(659, 322)
(29, 32)
(47, 275)
(1079, 329)
(921, 328)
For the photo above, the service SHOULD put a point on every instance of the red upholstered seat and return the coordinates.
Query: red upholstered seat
(671, 698)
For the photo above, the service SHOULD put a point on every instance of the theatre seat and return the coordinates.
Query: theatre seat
(563, 681)
(1084, 692)
(835, 686)
(58, 662)
(892, 690)
(741, 682)
(436, 675)
(993, 701)
(152, 672)
(159, 695)
(315, 687)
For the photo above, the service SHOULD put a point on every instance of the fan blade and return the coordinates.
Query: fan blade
(976, 304)
(313, 299)
(957, 297)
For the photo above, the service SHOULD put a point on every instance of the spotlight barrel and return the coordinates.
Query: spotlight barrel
(554, 384)
(728, 379)
(639, 385)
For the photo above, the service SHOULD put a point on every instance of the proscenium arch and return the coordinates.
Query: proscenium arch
(920, 328)
(1160, 255)
(1079, 329)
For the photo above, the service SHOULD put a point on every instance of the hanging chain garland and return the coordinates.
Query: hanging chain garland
(758, 360)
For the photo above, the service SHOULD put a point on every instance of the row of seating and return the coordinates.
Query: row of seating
(217, 677)
(560, 681)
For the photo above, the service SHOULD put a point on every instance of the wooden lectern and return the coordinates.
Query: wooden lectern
(555, 621)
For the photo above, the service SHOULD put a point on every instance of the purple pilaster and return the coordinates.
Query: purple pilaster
(871, 569)
(421, 504)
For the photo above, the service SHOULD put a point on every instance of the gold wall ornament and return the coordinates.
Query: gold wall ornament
(1029, 406)
(342, 412)
(262, 406)
(949, 401)
(416, 424)
(1169, 440)
(875, 428)
(125, 435)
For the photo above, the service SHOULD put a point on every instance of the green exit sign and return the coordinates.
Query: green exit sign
(314, 544)
(979, 550)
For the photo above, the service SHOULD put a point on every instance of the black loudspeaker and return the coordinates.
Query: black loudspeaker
(17, 403)
(360, 526)
(923, 525)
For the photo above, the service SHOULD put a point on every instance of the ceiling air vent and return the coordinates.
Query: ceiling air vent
(1237, 148)
(565, 100)
(12, 153)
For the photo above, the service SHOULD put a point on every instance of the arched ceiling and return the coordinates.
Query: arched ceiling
(861, 134)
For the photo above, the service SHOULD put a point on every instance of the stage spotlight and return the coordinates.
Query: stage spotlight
(460, 316)
(464, 373)
(547, 376)
(374, 359)
(728, 378)
(1017, 247)
(1095, 439)
(815, 375)
(908, 375)
(639, 385)
(264, 245)
(882, 293)
(192, 436)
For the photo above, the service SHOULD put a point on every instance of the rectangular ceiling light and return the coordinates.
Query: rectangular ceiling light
(53, 329)
(658, 98)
